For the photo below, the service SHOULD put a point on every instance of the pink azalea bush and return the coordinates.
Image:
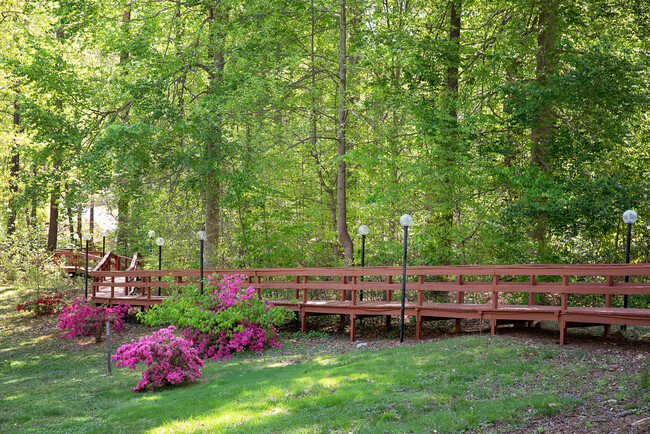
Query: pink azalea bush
(222, 345)
(227, 318)
(82, 319)
(171, 359)
(42, 306)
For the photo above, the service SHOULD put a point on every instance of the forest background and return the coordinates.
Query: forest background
(512, 131)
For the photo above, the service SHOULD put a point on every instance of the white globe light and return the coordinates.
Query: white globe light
(75, 236)
(364, 230)
(406, 220)
(151, 234)
(629, 216)
(103, 234)
(160, 241)
(200, 235)
(87, 237)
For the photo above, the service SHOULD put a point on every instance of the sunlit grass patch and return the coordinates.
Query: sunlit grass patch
(459, 384)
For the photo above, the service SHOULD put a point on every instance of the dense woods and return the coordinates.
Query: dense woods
(512, 131)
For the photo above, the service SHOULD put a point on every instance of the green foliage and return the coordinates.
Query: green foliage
(165, 110)
(219, 308)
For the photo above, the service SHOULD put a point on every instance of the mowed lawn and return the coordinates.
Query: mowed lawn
(312, 384)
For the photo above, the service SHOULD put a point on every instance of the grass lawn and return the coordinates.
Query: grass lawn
(312, 384)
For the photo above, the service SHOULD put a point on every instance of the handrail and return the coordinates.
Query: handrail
(349, 278)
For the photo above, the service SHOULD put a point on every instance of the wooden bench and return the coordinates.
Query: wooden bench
(433, 293)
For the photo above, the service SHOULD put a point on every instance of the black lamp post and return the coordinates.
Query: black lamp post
(629, 217)
(363, 231)
(200, 235)
(87, 238)
(160, 241)
(406, 221)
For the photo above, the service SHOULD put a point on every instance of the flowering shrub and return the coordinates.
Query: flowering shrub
(170, 359)
(227, 318)
(221, 345)
(42, 306)
(82, 319)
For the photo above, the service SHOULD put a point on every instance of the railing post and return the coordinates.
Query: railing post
(460, 295)
(531, 294)
(296, 291)
(565, 294)
(305, 279)
(495, 291)
(608, 297)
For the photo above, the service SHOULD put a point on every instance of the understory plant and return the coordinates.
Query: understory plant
(227, 318)
(170, 359)
(42, 306)
(80, 318)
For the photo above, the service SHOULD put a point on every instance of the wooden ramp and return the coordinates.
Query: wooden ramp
(541, 292)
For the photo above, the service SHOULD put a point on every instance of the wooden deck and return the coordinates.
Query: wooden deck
(433, 293)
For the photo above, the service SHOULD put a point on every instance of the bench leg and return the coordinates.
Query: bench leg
(458, 327)
(342, 322)
(563, 328)
(607, 330)
(353, 327)
(418, 326)
(303, 321)
(493, 326)
(388, 325)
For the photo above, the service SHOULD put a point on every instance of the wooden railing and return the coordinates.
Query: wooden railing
(74, 261)
(113, 263)
(432, 293)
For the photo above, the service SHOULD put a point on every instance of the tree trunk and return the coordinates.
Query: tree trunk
(542, 132)
(70, 218)
(216, 55)
(342, 222)
(13, 173)
(91, 221)
(123, 197)
(53, 229)
(448, 201)
(122, 222)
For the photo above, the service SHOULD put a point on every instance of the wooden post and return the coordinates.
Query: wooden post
(495, 291)
(531, 294)
(108, 347)
(460, 295)
(389, 296)
(565, 295)
(608, 303)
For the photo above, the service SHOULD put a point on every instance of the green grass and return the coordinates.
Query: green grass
(449, 386)
(310, 385)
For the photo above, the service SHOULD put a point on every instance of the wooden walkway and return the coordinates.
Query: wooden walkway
(73, 262)
(544, 292)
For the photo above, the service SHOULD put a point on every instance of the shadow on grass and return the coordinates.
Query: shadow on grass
(453, 385)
